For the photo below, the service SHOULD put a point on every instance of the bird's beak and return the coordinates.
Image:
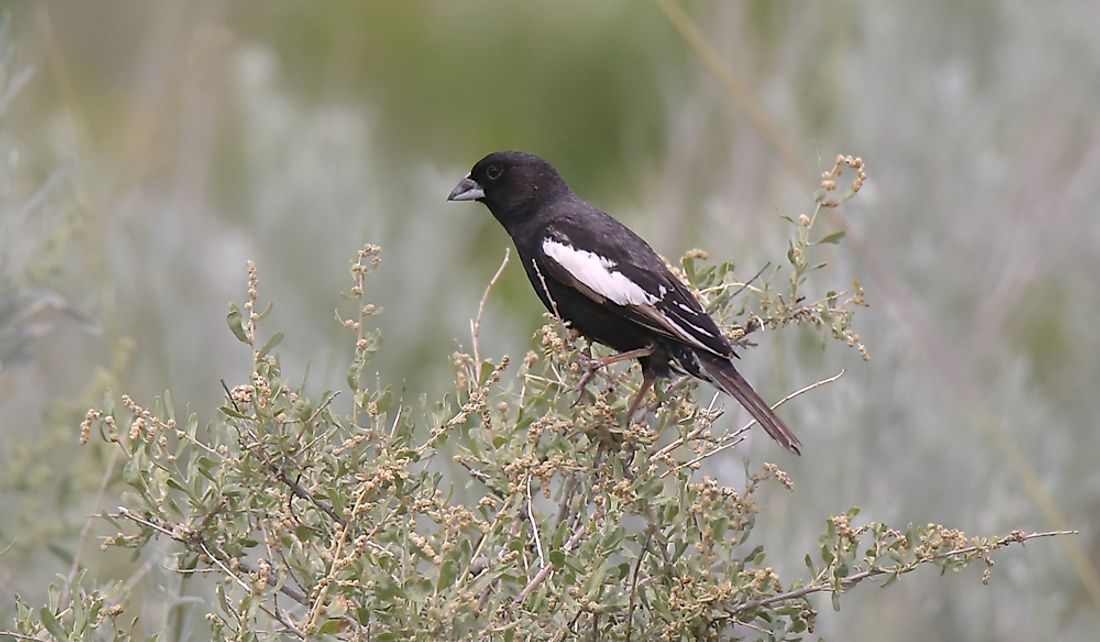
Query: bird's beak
(467, 190)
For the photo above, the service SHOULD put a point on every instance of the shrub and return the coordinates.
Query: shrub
(502, 511)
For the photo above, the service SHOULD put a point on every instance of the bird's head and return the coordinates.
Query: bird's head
(509, 183)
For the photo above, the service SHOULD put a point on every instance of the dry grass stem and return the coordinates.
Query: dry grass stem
(475, 324)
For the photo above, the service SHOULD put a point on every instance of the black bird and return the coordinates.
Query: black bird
(607, 282)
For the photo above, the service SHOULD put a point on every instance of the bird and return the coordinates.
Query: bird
(607, 283)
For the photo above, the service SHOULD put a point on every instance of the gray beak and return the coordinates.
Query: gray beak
(466, 190)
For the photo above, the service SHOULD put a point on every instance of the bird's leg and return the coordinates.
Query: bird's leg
(647, 382)
(593, 366)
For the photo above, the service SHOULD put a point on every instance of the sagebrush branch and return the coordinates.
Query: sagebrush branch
(852, 580)
(545, 571)
(198, 545)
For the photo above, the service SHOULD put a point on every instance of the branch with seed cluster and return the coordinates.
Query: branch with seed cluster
(196, 544)
(1016, 537)
(545, 571)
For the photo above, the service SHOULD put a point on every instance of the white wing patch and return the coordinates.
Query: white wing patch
(697, 328)
(598, 273)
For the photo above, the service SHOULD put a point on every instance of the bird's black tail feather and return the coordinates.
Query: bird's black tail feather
(727, 377)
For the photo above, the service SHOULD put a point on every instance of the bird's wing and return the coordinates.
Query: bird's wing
(614, 267)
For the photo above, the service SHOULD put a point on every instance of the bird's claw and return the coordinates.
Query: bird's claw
(590, 370)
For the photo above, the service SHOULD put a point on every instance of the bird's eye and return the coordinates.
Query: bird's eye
(494, 172)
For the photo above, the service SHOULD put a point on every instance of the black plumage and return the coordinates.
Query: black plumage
(607, 282)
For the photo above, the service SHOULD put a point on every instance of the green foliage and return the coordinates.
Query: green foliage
(304, 522)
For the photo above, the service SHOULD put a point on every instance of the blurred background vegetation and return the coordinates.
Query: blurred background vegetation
(148, 149)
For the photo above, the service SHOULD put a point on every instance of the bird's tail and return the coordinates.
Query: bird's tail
(727, 377)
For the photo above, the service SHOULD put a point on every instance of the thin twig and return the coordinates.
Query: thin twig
(278, 614)
(566, 498)
(751, 626)
(634, 582)
(739, 438)
(191, 542)
(280, 551)
(801, 391)
(858, 577)
(546, 290)
(694, 433)
(513, 531)
(316, 440)
(484, 538)
(334, 568)
(20, 636)
(321, 408)
(301, 492)
(396, 419)
(749, 282)
(134, 517)
(187, 571)
(551, 382)
(534, 525)
(475, 324)
(229, 395)
(732, 439)
(223, 567)
(75, 567)
(479, 475)
(209, 517)
(541, 576)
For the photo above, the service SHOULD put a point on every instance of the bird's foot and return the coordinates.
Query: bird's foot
(648, 379)
(590, 370)
(591, 366)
